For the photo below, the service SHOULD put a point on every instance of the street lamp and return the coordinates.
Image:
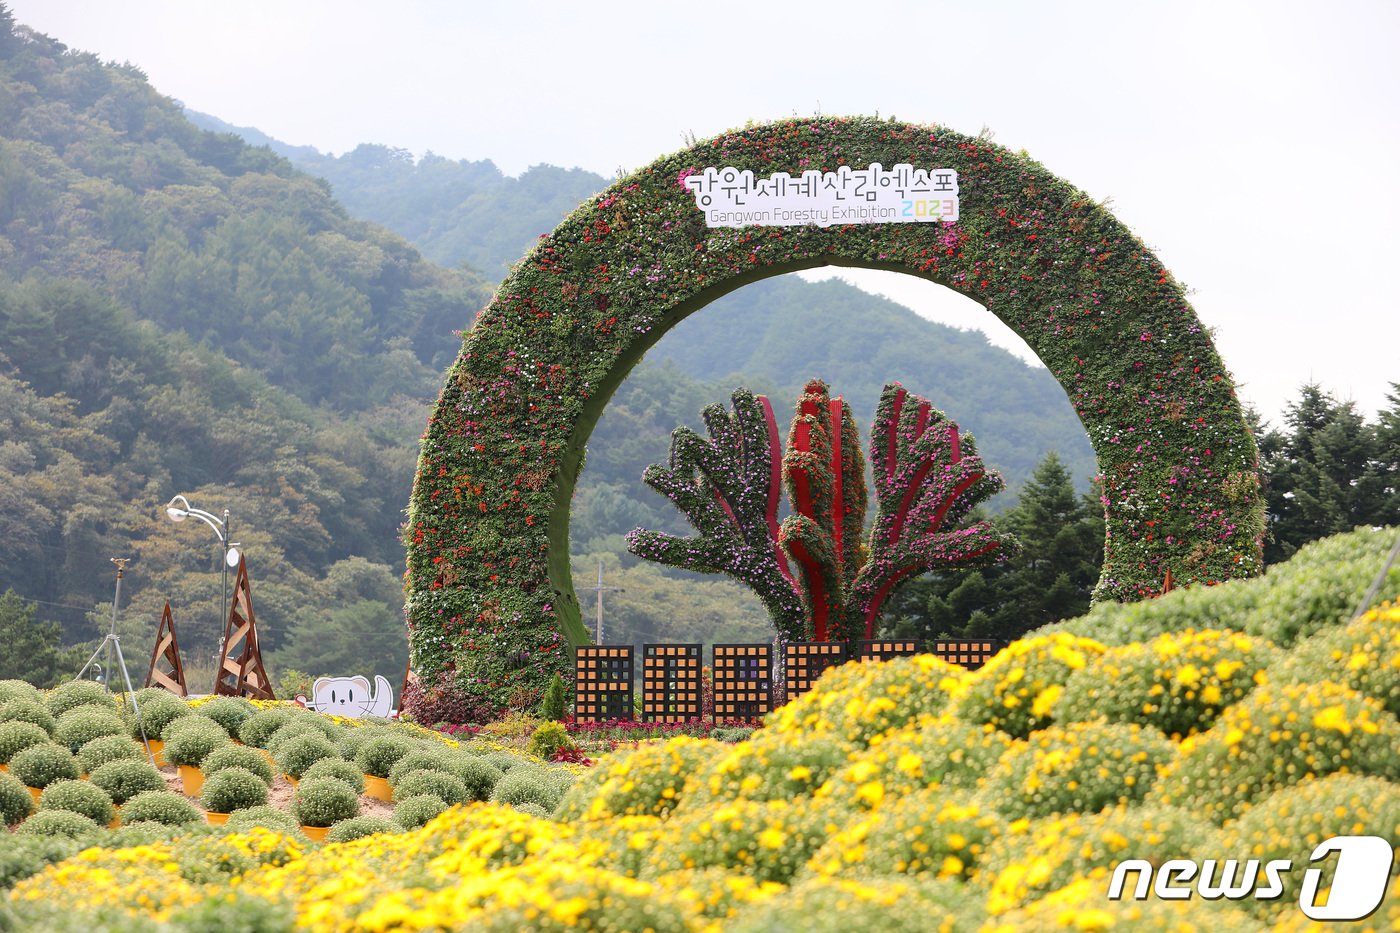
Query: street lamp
(178, 509)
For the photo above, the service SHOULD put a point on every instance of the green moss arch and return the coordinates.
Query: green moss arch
(491, 607)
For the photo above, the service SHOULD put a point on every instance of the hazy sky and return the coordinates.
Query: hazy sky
(1253, 145)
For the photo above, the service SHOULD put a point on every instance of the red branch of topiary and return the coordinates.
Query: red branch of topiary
(927, 479)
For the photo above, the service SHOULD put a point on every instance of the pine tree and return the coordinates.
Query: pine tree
(32, 648)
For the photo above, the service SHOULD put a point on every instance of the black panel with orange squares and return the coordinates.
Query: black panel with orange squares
(805, 662)
(670, 683)
(602, 682)
(882, 649)
(971, 653)
(743, 681)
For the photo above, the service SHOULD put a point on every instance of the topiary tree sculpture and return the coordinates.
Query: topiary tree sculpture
(817, 577)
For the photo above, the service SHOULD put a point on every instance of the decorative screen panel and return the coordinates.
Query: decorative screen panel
(806, 660)
(882, 649)
(970, 653)
(743, 681)
(602, 683)
(670, 683)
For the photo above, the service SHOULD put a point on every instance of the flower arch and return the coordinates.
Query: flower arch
(490, 598)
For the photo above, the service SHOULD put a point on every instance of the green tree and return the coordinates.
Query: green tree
(1052, 578)
(33, 649)
(1325, 473)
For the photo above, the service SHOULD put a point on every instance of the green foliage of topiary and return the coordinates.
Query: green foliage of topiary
(22, 856)
(232, 789)
(548, 739)
(59, 823)
(477, 775)
(237, 756)
(555, 704)
(1277, 737)
(379, 755)
(25, 710)
(82, 797)
(360, 826)
(258, 727)
(1177, 682)
(189, 740)
(299, 752)
(414, 812)
(229, 712)
(1081, 767)
(421, 759)
(77, 693)
(98, 752)
(40, 765)
(446, 786)
(156, 714)
(16, 736)
(82, 724)
(15, 800)
(124, 778)
(161, 806)
(324, 802)
(337, 768)
(268, 817)
(527, 785)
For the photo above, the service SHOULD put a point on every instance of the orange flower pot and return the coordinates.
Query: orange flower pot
(291, 780)
(156, 752)
(316, 833)
(115, 821)
(191, 780)
(35, 792)
(378, 788)
(216, 819)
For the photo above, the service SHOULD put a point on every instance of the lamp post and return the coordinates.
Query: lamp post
(178, 509)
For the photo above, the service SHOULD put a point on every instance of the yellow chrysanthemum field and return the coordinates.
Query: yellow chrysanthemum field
(909, 795)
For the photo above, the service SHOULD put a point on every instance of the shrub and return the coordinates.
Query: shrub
(1178, 682)
(478, 776)
(237, 756)
(505, 761)
(555, 705)
(379, 755)
(232, 789)
(16, 736)
(535, 810)
(548, 739)
(291, 729)
(294, 755)
(1289, 823)
(413, 812)
(267, 817)
(1079, 768)
(107, 748)
(1276, 737)
(446, 786)
(229, 712)
(337, 768)
(1016, 690)
(79, 797)
(772, 839)
(22, 856)
(41, 765)
(124, 778)
(770, 766)
(732, 734)
(258, 727)
(77, 693)
(188, 741)
(15, 800)
(352, 740)
(1032, 858)
(527, 785)
(82, 724)
(59, 823)
(942, 751)
(324, 802)
(161, 806)
(647, 781)
(422, 759)
(357, 827)
(156, 714)
(19, 690)
(145, 832)
(1364, 655)
(22, 710)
